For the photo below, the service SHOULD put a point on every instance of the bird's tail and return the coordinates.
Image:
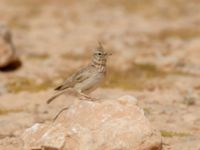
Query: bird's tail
(54, 97)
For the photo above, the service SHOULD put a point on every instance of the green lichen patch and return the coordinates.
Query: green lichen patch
(37, 56)
(147, 111)
(19, 84)
(171, 134)
(139, 76)
(136, 77)
(4, 111)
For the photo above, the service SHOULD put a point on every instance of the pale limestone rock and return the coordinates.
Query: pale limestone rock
(7, 50)
(127, 99)
(86, 125)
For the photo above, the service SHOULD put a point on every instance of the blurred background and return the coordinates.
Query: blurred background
(156, 51)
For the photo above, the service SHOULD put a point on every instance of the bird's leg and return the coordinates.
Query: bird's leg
(86, 97)
(58, 114)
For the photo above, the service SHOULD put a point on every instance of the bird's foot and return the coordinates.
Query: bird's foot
(88, 98)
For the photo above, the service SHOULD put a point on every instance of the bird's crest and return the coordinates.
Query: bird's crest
(99, 48)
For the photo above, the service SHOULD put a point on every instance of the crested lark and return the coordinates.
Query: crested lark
(86, 79)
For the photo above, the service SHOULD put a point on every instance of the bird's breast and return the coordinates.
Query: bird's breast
(91, 83)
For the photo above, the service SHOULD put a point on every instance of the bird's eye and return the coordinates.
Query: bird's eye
(99, 54)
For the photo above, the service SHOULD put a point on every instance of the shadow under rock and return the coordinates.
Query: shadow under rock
(12, 66)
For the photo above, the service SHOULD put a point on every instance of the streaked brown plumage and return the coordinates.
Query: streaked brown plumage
(86, 79)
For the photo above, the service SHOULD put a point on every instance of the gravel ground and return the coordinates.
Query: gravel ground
(156, 58)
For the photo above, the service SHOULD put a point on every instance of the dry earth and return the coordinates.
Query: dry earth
(156, 46)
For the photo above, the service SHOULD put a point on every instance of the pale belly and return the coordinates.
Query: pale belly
(90, 84)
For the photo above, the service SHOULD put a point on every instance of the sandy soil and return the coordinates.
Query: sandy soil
(156, 47)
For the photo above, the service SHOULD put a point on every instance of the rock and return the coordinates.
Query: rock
(7, 50)
(128, 99)
(86, 125)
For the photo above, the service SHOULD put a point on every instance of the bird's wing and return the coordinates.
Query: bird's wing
(77, 77)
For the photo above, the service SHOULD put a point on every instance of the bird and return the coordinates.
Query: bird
(88, 78)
